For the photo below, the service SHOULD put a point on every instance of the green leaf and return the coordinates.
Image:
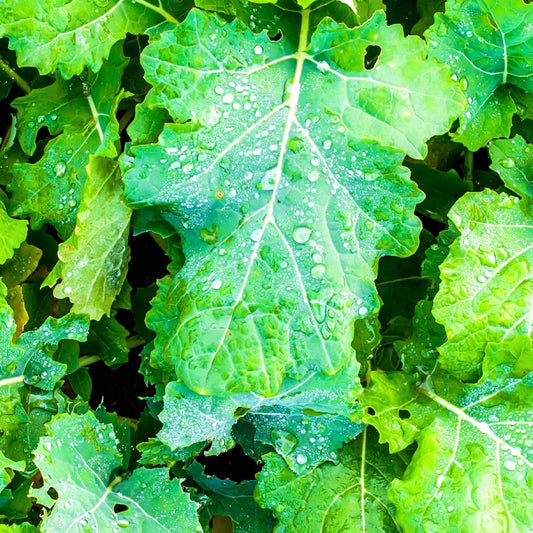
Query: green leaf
(227, 498)
(72, 35)
(18, 528)
(349, 496)
(78, 458)
(93, 260)
(486, 290)
(284, 204)
(81, 117)
(7, 466)
(419, 352)
(390, 407)
(306, 422)
(12, 233)
(473, 462)
(488, 45)
(442, 189)
(28, 377)
(107, 338)
(512, 159)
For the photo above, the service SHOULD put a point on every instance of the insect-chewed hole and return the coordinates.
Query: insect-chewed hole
(221, 523)
(371, 411)
(52, 493)
(276, 37)
(372, 54)
(120, 508)
(404, 413)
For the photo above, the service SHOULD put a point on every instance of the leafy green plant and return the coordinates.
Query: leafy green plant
(266, 266)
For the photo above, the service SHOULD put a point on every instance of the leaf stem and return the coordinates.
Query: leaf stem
(23, 84)
(86, 360)
(158, 9)
(11, 381)
(134, 341)
(469, 164)
(363, 491)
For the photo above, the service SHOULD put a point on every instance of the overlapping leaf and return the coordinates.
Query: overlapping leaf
(78, 458)
(284, 203)
(489, 45)
(12, 233)
(306, 422)
(28, 375)
(349, 496)
(230, 499)
(81, 116)
(491, 261)
(72, 35)
(473, 463)
(93, 260)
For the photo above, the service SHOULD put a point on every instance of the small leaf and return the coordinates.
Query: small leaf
(487, 44)
(72, 35)
(77, 459)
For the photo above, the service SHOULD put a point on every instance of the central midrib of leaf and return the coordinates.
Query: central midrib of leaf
(292, 104)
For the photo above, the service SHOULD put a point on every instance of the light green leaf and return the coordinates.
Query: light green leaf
(93, 260)
(306, 422)
(488, 45)
(12, 233)
(81, 115)
(348, 497)
(284, 203)
(77, 459)
(474, 462)
(390, 407)
(70, 35)
(489, 262)
(512, 159)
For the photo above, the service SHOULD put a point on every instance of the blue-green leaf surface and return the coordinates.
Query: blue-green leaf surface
(284, 202)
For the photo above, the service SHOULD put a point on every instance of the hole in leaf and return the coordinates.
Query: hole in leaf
(233, 464)
(371, 411)
(404, 413)
(276, 37)
(52, 493)
(221, 524)
(120, 508)
(372, 54)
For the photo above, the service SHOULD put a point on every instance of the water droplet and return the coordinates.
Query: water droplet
(301, 459)
(258, 50)
(301, 234)
(318, 271)
(510, 465)
(256, 234)
(60, 168)
(313, 175)
(228, 98)
(363, 311)
(507, 162)
(323, 66)
(216, 284)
